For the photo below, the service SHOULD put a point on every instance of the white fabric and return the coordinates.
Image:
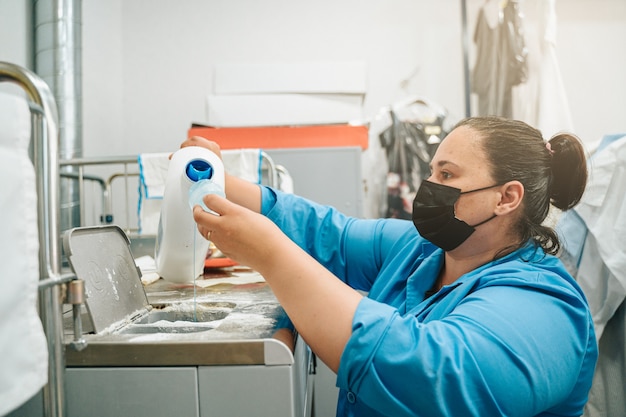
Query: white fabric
(597, 255)
(374, 168)
(152, 177)
(541, 101)
(242, 163)
(153, 171)
(285, 181)
(602, 273)
(604, 292)
(23, 348)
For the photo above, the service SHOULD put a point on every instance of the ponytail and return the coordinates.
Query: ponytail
(569, 171)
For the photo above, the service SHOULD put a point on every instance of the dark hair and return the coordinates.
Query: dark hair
(553, 172)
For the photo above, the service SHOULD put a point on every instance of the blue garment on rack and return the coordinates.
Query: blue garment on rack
(572, 232)
(513, 337)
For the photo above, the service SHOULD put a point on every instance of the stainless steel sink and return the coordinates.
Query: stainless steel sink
(187, 317)
(239, 328)
(166, 324)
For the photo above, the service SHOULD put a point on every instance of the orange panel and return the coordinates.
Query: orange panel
(316, 136)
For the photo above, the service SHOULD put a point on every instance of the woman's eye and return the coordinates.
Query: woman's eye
(446, 175)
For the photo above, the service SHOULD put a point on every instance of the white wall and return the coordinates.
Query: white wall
(169, 49)
(148, 63)
(15, 32)
(592, 55)
(16, 37)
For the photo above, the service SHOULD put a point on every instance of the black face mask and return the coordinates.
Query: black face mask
(434, 218)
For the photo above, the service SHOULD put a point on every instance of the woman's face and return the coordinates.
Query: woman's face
(460, 162)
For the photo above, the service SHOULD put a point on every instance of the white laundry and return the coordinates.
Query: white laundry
(603, 209)
(541, 100)
(243, 163)
(599, 260)
(23, 348)
(152, 177)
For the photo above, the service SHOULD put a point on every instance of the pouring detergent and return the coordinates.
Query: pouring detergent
(180, 249)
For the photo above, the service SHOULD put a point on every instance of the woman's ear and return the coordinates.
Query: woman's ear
(512, 194)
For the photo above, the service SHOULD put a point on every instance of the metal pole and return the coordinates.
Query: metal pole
(466, 69)
(45, 138)
(58, 57)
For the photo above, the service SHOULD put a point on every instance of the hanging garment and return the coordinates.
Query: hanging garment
(500, 58)
(603, 209)
(541, 101)
(23, 348)
(410, 142)
(374, 168)
(152, 177)
(594, 242)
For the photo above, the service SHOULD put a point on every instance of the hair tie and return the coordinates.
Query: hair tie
(549, 148)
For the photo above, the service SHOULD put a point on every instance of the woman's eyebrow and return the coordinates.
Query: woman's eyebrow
(442, 163)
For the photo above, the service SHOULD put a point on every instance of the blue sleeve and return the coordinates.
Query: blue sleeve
(491, 355)
(352, 249)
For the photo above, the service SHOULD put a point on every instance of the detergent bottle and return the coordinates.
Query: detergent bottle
(180, 249)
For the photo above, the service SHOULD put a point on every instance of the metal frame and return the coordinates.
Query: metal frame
(107, 184)
(44, 139)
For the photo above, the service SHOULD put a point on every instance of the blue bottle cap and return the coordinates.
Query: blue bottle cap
(199, 169)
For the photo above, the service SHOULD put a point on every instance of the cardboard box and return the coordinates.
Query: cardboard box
(309, 77)
(287, 94)
(254, 110)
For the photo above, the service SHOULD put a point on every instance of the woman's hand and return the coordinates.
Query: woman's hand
(239, 191)
(204, 143)
(241, 234)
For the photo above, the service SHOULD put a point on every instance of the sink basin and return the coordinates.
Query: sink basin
(189, 311)
(181, 318)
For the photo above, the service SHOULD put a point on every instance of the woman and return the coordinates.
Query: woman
(468, 312)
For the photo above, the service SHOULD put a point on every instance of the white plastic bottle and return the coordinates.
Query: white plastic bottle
(180, 249)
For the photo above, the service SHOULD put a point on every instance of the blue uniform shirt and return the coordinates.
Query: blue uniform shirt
(511, 338)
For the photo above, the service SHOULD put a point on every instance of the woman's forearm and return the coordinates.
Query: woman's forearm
(320, 306)
(243, 193)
